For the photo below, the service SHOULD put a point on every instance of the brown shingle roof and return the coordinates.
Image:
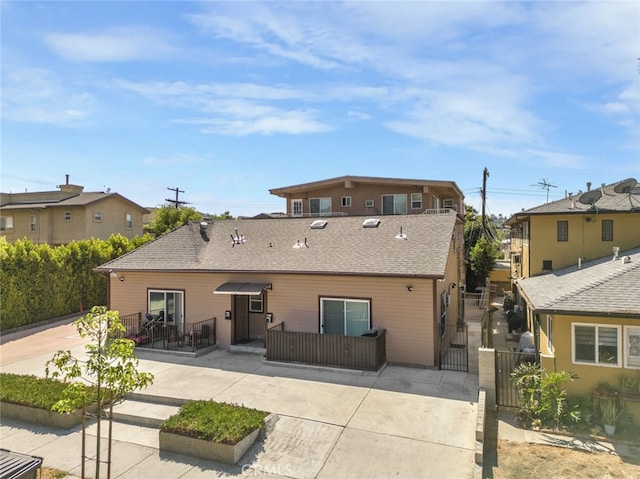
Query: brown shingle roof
(342, 247)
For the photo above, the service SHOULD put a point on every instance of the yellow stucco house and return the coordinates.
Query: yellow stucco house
(587, 321)
(576, 229)
(68, 214)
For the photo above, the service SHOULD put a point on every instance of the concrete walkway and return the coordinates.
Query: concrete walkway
(404, 422)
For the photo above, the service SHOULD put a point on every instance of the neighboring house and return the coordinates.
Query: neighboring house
(337, 276)
(363, 195)
(575, 229)
(69, 214)
(587, 320)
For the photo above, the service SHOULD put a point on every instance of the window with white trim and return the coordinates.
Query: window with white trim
(416, 201)
(596, 344)
(256, 303)
(346, 201)
(6, 223)
(296, 207)
(550, 334)
(394, 204)
(128, 221)
(33, 223)
(632, 347)
(320, 206)
(166, 305)
(97, 216)
(347, 317)
(67, 215)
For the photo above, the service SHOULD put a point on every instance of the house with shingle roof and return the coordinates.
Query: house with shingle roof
(68, 214)
(336, 278)
(588, 319)
(578, 228)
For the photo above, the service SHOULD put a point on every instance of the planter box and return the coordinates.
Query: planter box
(43, 417)
(212, 451)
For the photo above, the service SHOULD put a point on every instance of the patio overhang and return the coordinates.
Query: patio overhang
(248, 289)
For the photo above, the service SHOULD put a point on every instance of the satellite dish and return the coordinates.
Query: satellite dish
(625, 186)
(590, 197)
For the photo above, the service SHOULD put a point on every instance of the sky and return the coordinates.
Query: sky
(226, 100)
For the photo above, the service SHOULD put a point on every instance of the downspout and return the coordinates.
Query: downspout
(436, 316)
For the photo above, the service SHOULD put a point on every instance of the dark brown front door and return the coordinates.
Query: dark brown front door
(241, 318)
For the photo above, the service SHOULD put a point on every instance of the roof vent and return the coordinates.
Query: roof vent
(401, 235)
(318, 224)
(299, 245)
(204, 225)
(625, 259)
(371, 223)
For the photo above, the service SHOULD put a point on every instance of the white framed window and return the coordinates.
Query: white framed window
(394, 204)
(416, 201)
(256, 303)
(632, 347)
(97, 216)
(6, 223)
(550, 334)
(369, 203)
(67, 216)
(296, 207)
(347, 317)
(33, 223)
(596, 344)
(319, 206)
(346, 201)
(128, 221)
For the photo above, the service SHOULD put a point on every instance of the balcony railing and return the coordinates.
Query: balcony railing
(351, 352)
(161, 335)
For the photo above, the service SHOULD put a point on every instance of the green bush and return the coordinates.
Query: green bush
(42, 393)
(543, 401)
(212, 421)
(40, 282)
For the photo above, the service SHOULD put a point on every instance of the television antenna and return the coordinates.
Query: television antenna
(545, 185)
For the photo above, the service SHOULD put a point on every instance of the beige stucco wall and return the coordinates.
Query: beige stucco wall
(294, 299)
(51, 227)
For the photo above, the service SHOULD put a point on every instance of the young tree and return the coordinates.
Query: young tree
(168, 218)
(110, 367)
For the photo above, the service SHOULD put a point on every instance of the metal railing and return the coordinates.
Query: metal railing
(154, 334)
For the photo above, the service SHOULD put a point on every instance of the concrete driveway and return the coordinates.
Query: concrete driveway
(404, 422)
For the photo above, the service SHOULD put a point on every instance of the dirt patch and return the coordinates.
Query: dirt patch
(525, 461)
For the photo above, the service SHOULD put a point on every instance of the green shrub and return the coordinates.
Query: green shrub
(42, 393)
(213, 421)
(543, 401)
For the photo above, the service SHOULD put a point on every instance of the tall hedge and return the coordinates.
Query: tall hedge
(38, 282)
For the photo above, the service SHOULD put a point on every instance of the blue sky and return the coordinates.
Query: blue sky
(226, 100)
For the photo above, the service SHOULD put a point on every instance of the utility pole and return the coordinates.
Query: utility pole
(485, 175)
(176, 202)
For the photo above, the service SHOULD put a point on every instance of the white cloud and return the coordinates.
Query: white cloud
(36, 95)
(121, 44)
(284, 122)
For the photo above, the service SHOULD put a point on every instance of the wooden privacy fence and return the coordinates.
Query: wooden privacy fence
(352, 352)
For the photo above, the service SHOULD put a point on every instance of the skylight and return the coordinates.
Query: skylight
(318, 224)
(371, 223)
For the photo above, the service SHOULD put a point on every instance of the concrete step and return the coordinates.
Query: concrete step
(142, 412)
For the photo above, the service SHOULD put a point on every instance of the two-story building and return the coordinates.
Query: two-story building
(364, 195)
(575, 229)
(68, 214)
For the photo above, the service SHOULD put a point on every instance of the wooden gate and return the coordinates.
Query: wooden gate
(454, 348)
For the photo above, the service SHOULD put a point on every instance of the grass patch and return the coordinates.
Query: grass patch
(212, 421)
(31, 391)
